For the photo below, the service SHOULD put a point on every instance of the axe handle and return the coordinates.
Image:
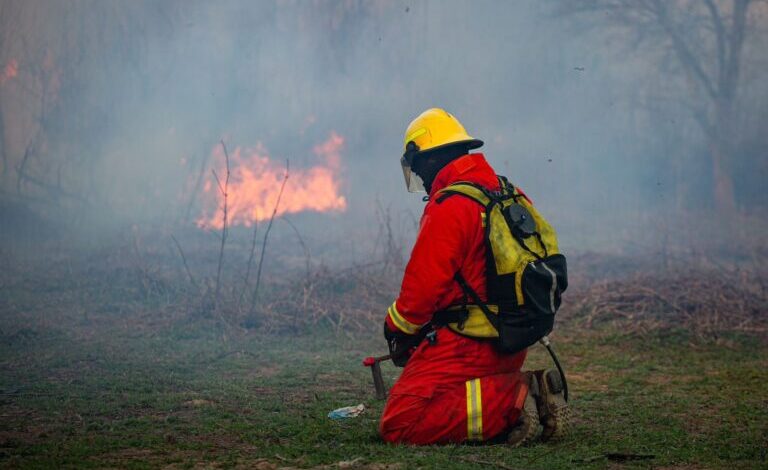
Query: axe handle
(378, 381)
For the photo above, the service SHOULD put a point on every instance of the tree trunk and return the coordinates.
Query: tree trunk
(721, 149)
(723, 135)
(725, 201)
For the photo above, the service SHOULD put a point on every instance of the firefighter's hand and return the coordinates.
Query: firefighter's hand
(400, 345)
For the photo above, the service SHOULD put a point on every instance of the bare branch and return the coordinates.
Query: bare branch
(643, 17)
(307, 256)
(307, 288)
(266, 236)
(20, 170)
(218, 181)
(250, 263)
(196, 188)
(683, 51)
(186, 266)
(224, 227)
(717, 24)
(735, 43)
(54, 192)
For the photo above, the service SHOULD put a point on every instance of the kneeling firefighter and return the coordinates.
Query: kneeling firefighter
(483, 283)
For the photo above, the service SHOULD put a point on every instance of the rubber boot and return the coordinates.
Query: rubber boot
(528, 426)
(554, 412)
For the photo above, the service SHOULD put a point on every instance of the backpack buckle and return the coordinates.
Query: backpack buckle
(463, 316)
(432, 337)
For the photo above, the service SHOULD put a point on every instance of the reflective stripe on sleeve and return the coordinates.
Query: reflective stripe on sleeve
(474, 410)
(404, 325)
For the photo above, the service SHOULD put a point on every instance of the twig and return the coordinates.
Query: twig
(53, 191)
(186, 266)
(266, 236)
(203, 164)
(20, 169)
(218, 181)
(144, 277)
(307, 256)
(392, 253)
(307, 280)
(250, 263)
(224, 228)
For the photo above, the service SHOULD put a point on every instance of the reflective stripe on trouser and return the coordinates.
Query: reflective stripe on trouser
(474, 410)
(446, 418)
(432, 401)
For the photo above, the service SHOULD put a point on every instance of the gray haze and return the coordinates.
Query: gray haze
(595, 128)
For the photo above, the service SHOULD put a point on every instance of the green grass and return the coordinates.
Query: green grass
(185, 397)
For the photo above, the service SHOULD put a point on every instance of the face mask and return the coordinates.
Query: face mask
(413, 182)
(421, 169)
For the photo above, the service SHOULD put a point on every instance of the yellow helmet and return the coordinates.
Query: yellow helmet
(433, 129)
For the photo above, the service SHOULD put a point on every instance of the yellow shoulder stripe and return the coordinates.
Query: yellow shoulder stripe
(404, 325)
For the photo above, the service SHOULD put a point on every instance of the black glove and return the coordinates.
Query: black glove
(400, 345)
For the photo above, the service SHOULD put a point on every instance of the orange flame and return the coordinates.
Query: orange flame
(10, 71)
(255, 180)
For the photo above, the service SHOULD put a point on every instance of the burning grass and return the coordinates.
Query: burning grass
(255, 181)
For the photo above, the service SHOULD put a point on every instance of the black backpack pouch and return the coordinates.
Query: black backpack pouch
(542, 283)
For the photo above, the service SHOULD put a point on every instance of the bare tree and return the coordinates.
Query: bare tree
(63, 57)
(705, 39)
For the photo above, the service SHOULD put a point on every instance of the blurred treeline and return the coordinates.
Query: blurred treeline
(706, 64)
(115, 105)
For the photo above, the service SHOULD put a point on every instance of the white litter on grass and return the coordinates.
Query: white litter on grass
(347, 412)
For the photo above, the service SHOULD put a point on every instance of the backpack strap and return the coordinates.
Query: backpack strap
(488, 199)
(470, 292)
(471, 190)
(481, 194)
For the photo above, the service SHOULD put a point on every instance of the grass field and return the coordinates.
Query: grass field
(184, 397)
(109, 361)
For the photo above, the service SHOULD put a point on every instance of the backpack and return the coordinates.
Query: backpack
(525, 273)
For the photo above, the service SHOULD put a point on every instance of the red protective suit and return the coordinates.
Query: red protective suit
(459, 388)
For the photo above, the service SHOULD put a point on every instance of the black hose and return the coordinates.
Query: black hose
(545, 341)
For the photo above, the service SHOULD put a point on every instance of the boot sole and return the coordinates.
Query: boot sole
(556, 415)
(531, 414)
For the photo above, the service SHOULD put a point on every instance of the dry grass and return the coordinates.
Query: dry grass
(145, 285)
(706, 302)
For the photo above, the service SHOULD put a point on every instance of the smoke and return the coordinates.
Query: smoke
(565, 112)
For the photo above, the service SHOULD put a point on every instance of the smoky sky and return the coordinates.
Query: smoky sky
(564, 109)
